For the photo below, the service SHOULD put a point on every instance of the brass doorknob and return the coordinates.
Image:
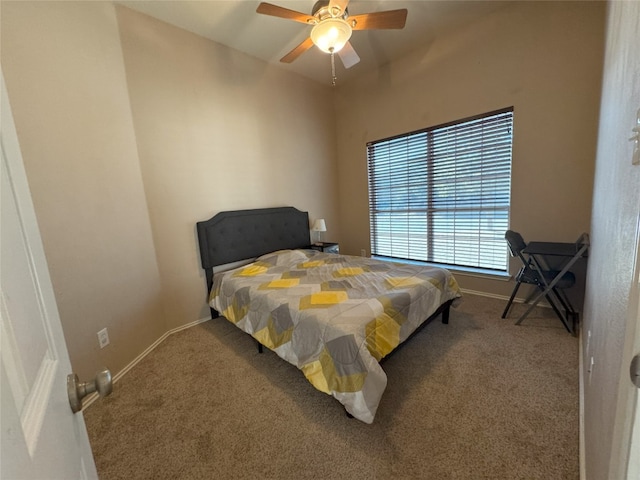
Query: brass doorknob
(78, 390)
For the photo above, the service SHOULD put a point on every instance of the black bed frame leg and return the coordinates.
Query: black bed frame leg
(445, 315)
(259, 345)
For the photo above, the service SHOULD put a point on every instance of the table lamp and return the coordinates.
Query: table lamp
(319, 226)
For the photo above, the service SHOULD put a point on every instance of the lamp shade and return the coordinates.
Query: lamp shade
(330, 35)
(319, 225)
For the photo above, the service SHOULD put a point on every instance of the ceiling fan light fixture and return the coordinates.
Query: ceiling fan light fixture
(331, 34)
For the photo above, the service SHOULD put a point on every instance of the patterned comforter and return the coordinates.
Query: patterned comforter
(333, 316)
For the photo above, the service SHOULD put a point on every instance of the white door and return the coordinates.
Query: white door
(41, 437)
(632, 411)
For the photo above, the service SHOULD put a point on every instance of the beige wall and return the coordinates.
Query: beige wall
(542, 58)
(132, 131)
(614, 235)
(65, 77)
(219, 130)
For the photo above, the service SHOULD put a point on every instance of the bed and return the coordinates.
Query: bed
(335, 317)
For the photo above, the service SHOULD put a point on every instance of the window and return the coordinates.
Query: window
(442, 194)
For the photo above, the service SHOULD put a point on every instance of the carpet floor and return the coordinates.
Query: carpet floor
(480, 398)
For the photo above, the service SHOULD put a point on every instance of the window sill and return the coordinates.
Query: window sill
(456, 269)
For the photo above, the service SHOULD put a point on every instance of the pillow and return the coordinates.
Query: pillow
(284, 257)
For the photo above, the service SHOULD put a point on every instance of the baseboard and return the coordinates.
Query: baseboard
(541, 303)
(94, 396)
(583, 465)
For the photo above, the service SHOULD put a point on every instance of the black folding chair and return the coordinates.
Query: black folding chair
(531, 273)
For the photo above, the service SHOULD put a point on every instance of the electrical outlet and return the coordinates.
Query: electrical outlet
(363, 253)
(103, 338)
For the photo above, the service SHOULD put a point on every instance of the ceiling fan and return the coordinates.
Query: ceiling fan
(332, 27)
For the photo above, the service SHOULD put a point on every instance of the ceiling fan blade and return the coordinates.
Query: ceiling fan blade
(296, 52)
(341, 4)
(348, 55)
(281, 12)
(379, 20)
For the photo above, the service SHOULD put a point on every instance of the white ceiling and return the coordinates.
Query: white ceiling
(236, 24)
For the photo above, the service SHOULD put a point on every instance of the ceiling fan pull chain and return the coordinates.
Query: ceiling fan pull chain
(333, 69)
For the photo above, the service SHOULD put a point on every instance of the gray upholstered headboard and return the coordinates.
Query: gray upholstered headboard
(244, 234)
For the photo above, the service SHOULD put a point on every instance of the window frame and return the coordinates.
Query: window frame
(496, 160)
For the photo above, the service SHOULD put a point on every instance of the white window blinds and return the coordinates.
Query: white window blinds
(442, 194)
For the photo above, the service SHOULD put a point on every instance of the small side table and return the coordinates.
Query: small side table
(327, 247)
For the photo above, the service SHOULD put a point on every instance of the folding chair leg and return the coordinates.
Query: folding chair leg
(555, 309)
(568, 307)
(558, 313)
(572, 312)
(564, 298)
(513, 295)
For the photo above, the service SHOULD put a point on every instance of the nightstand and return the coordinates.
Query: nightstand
(327, 247)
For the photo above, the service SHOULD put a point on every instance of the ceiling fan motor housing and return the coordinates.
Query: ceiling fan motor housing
(322, 11)
(332, 27)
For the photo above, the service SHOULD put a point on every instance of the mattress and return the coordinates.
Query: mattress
(333, 316)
